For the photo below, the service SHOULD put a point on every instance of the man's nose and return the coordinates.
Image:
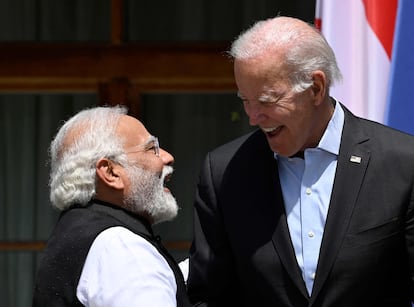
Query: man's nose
(166, 157)
(255, 113)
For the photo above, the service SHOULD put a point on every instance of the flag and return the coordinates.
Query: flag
(361, 34)
(400, 111)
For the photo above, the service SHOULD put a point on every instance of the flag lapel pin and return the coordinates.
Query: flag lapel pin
(355, 159)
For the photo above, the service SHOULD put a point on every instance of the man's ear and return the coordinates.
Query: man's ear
(110, 173)
(319, 86)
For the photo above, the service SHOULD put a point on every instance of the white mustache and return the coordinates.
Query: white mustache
(166, 171)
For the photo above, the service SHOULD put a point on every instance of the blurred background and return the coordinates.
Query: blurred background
(165, 60)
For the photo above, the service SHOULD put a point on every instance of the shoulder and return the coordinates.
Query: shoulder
(239, 150)
(120, 261)
(238, 159)
(378, 132)
(253, 143)
(256, 136)
(118, 241)
(386, 144)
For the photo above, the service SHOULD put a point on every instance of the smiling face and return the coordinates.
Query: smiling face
(291, 121)
(138, 183)
(148, 170)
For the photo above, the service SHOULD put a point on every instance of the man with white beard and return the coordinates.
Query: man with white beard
(108, 178)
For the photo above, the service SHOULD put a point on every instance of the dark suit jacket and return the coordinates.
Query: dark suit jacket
(242, 254)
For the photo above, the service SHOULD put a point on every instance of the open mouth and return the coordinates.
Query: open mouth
(166, 179)
(270, 132)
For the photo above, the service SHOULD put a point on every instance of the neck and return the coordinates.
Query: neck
(325, 113)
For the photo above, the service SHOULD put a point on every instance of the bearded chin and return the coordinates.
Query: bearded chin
(147, 196)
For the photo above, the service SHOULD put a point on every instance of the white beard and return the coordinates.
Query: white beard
(147, 196)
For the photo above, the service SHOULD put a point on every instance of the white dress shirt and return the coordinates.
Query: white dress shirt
(123, 269)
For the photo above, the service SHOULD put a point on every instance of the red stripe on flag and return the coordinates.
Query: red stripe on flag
(381, 17)
(318, 24)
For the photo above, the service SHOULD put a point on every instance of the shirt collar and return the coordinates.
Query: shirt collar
(331, 139)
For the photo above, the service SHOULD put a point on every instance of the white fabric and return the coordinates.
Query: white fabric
(123, 269)
(361, 57)
(184, 267)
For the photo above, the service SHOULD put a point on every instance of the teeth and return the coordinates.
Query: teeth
(267, 130)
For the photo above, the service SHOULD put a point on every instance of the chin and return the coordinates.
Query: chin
(166, 210)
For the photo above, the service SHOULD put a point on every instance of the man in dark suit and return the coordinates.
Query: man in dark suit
(316, 208)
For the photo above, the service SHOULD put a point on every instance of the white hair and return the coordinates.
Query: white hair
(304, 48)
(74, 152)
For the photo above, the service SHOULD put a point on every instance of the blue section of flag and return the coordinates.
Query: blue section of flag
(400, 102)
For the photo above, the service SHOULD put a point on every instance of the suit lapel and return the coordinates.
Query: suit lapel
(352, 163)
(264, 206)
(282, 241)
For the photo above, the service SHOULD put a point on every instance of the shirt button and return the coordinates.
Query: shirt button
(308, 191)
(313, 276)
(311, 234)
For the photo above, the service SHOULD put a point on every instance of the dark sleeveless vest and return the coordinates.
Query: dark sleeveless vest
(62, 261)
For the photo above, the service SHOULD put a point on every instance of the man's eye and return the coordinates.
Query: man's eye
(261, 102)
(268, 102)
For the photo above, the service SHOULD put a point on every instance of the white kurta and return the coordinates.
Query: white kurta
(123, 269)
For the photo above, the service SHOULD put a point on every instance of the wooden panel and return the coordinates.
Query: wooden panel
(118, 72)
(37, 246)
(36, 67)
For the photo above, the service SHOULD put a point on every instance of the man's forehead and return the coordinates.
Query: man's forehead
(132, 129)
